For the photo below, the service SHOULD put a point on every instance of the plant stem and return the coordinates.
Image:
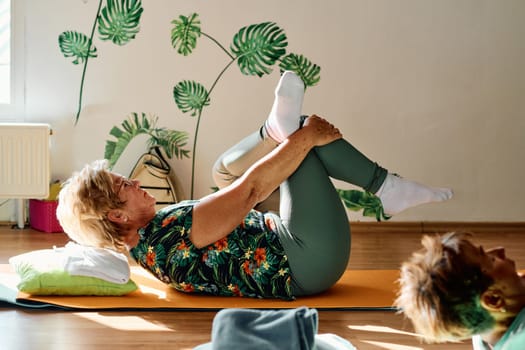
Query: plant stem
(86, 62)
(194, 150)
(219, 45)
(198, 123)
(200, 111)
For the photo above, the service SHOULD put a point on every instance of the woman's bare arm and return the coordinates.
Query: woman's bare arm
(217, 214)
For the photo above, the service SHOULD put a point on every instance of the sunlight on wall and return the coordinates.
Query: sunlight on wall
(123, 323)
(5, 51)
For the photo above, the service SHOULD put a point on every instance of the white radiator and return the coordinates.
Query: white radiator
(24, 162)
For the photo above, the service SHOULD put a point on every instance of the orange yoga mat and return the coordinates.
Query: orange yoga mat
(357, 289)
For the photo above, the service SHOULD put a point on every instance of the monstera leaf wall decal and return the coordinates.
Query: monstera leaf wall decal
(171, 141)
(117, 22)
(255, 48)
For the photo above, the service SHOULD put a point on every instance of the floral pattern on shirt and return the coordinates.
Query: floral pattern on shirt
(249, 262)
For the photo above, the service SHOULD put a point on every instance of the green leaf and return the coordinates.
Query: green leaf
(110, 149)
(185, 33)
(119, 20)
(190, 96)
(172, 141)
(257, 47)
(75, 44)
(114, 149)
(361, 200)
(308, 71)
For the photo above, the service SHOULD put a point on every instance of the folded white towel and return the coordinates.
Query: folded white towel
(101, 263)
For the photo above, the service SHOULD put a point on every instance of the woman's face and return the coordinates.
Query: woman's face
(139, 207)
(130, 192)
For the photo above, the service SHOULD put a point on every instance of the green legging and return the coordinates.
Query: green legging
(312, 223)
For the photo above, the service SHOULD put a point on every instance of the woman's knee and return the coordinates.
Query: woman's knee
(222, 176)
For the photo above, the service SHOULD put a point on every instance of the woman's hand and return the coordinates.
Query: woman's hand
(216, 215)
(320, 130)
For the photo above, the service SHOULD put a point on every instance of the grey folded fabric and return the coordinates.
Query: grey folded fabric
(251, 329)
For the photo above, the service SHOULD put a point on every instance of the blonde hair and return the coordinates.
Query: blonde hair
(440, 290)
(83, 204)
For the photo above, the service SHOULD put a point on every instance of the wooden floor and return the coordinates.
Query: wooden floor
(381, 247)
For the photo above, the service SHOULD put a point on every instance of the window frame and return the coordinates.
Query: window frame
(14, 111)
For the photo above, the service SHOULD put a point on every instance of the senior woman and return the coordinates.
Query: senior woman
(453, 289)
(219, 244)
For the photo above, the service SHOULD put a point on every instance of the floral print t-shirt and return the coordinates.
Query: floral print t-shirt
(249, 262)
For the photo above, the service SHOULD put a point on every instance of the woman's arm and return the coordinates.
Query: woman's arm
(217, 214)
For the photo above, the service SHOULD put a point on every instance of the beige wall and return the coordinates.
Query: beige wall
(432, 90)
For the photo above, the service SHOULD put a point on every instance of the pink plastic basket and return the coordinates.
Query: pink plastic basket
(42, 216)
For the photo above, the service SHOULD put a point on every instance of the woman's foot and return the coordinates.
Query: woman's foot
(286, 110)
(397, 194)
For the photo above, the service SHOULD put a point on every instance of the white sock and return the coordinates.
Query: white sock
(286, 110)
(398, 194)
